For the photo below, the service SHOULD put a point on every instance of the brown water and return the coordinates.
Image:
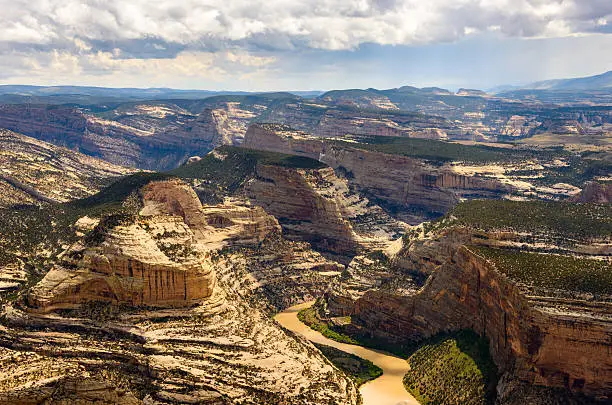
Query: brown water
(385, 390)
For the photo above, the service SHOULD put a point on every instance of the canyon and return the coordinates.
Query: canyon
(162, 249)
(184, 331)
(32, 171)
(463, 285)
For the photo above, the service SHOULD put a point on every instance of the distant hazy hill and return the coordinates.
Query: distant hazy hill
(597, 82)
(89, 94)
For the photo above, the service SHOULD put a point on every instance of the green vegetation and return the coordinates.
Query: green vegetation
(237, 165)
(452, 369)
(309, 317)
(552, 271)
(565, 219)
(360, 370)
(441, 151)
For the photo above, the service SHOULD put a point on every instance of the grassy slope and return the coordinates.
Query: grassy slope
(552, 271)
(360, 370)
(571, 220)
(309, 317)
(452, 369)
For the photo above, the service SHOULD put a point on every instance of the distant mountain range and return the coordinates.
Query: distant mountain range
(79, 94)
(598, 82)
(406, 97)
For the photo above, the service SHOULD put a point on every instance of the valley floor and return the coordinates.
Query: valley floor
(385, 390)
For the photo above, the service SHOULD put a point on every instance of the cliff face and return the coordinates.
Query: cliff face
(131, 265)
(402, 182)
(540, 339)
(290, 195)
(201, 337)
(594, 192)
(32, 171)
(147, 138)
(317, 206)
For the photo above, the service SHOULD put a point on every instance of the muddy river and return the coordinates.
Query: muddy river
(385, 390)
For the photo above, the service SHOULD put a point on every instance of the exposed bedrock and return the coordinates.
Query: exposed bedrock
(595, 192)
(398, 181)
(200, 337)
(542, 340)
(141, 139)
(158, 258)
(317, 206)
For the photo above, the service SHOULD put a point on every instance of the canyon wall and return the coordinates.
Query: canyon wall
(317, 206)
(159, 144)
(417, 188)
(541, 340)
(291, 196)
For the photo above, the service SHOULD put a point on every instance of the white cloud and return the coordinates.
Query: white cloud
(319, 23)
(221, 38)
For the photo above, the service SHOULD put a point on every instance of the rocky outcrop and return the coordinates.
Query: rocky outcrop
(159, 258)
(526, 327)
(411, 185)
(315, 205)
(139, 137)
(214, 226)
(32, 171)
(593, 192)
(133, 263)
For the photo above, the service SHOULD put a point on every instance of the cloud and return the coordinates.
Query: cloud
(317, 23)
(100, 37)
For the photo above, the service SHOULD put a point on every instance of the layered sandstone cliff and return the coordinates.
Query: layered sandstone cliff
(541, 336)
(416, 187)
(200, 337)
(159, 258)
(145, 136)
(317, 206)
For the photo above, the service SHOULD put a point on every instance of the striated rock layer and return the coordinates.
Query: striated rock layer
(317, 206)
(197, 340)
(540, 338)
(32, 171)
(158, 258)
(398, 181)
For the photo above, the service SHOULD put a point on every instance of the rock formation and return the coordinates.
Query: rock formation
(600, 193)
(32, 171)
(317, 206)
(159, 307)
(554, 337)
(155, 259)
(399, 181)
(147, 137)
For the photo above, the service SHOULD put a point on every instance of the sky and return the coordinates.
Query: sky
(271, 45)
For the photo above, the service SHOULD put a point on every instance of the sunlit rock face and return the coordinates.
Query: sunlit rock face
(160, 257)
(412, 186)
(34, 172)
(138, 262)
(541, 336)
